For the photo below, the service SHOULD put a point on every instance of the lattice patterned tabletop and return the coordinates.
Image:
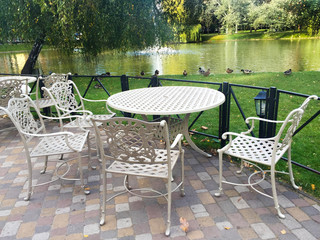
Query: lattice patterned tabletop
(166, 100)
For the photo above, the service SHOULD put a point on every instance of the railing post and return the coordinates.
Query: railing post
(125, 87)
(155, 81)
(224, 113)
(271, 112)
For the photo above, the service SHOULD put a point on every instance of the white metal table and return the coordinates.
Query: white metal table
(168, 101)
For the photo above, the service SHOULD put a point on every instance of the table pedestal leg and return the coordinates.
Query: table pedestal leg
(185, 132)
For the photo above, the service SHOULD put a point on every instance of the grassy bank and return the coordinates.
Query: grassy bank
(305, 148)
(258, 35)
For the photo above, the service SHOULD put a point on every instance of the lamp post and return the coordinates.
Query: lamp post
(260, 102)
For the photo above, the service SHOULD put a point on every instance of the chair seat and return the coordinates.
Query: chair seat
(85, 123)
(57, 145)
(43, 103)
(254, 149)
(155, 170)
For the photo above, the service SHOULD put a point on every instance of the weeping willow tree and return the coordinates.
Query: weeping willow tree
(90, 25)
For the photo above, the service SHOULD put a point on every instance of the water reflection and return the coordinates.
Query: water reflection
(259, 56)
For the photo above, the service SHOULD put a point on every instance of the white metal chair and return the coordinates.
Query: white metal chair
(133, 150)
(49, 144)
(263, 151)
(63, 95)
(48, 81)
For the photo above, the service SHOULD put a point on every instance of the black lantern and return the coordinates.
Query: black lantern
(260, 101)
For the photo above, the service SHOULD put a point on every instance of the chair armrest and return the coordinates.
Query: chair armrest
(258, 119)
(262, 119)
(178, 139)
(230, 134)
(70, 134)
(99, 100)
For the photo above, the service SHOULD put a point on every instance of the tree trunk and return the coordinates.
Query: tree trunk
(33, 56)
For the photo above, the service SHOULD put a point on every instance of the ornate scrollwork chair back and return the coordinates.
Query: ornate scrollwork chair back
(129, 147)
(265, 151)
(48, 81)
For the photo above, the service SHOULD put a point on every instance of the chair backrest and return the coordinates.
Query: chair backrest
(63, 95)
(292, 122)
(132, 140)
(49, 80)
(9, 89)
(18, 110)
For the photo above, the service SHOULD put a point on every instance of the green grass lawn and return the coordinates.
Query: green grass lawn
(258, 35)
(305, 147)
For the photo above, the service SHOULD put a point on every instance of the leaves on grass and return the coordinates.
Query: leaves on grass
(184, 224)
(204, 127)
(313, 187)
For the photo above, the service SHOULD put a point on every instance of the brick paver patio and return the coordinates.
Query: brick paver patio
(60, 210)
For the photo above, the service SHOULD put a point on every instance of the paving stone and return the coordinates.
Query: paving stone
(124, 223)
(290, 222)
(10, 229)
(303, 234)
(313, 227)
(227, 207)
(263, 231)
(226, 225)
(41, 236)
(285, 202)
(239, 202)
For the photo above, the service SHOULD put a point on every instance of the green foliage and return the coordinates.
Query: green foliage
(92, 25)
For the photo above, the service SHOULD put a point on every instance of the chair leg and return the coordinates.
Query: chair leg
(29, 179)
(274, 193)
(104, 192)
(167, 233)
(45, 166)
(182, 193)
(290, 169)
(218, 194)
(241, 167)
(85, 190)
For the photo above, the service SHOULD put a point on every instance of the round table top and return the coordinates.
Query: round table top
(166, 100)
(30, 79)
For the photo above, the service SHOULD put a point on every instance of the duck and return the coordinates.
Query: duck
(185, 73)
(156, 73)
(142, 73)
(288, 72)
(246, 71)
(229, 70)
(207, 73)
(201, 71)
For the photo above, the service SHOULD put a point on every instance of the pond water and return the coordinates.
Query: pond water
(259, 56)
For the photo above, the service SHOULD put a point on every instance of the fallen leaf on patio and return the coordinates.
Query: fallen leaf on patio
(204, 127)
(87, 188)
(185, 144)
(283, 231)
(184, 224)
(239, 199)
(313, 187)
(86, 236)
(227, 228)
(5, 116)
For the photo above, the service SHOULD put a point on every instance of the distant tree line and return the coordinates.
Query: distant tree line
(229, 16)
